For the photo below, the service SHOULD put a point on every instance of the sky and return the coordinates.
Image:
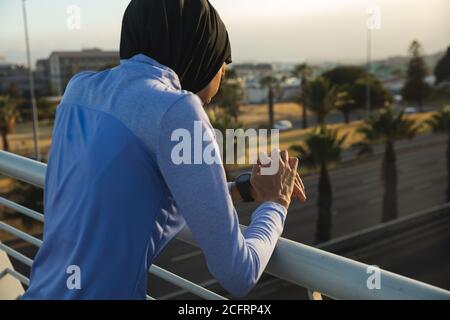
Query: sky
(260, 30)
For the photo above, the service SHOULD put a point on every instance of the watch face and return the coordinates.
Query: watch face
(244, 177)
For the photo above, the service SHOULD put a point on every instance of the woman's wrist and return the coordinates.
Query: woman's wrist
(280, 200)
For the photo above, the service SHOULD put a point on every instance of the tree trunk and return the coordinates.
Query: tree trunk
(346, 116)
(271, 112)
(304, 110)
(420, 105)
(4, 133)
(390, 207)
(448, 168)
(304, 117)
(235, 113)
(320, 119)
(324, 202)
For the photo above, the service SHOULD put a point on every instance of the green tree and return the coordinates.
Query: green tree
(222, 120)
(416, 89)
(387, 126)
(8, 117)
(440, 124)
(442, 69)
(345, 75)
(304, 72)
(323, 148)
(379, 96)
(47, 109)
(231, 94)
(271, 83)
(345, 102)
(320, 98)
(354, 79)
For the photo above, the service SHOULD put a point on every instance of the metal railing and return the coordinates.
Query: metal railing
(316, 270)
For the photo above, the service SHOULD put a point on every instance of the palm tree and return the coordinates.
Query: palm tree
(323, 147)
(440, 123)
(345, 102)
(320, 98)
(387, 126)
(8, 117)
(304, 72)
(222, 121)
(271, 83)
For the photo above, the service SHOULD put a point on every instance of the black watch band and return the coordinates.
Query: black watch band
(243, 185)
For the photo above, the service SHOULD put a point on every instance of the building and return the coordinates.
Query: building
(63, 65)
(250, 70)
(18, 75)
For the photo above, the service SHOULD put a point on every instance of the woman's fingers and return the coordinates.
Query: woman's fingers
(300, 181)
(299, 187)
(285, 156)
(299, 192)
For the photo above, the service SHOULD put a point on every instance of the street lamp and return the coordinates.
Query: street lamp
(368, 69)
(37, 151)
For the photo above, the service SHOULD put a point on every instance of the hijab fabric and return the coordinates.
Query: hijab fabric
(187, 36)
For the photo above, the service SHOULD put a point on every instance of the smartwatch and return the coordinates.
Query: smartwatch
(243, 186)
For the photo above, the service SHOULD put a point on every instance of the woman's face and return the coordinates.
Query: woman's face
(207, 93)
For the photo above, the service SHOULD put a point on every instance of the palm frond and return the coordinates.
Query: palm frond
(440, 121)
(322, 146)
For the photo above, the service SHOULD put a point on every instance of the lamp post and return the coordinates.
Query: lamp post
(368, 69)
(37, 152)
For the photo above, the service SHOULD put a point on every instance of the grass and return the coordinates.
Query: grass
(254, 115)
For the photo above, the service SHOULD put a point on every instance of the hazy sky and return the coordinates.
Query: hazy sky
(260, 30)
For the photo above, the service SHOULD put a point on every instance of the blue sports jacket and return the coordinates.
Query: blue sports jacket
(114, 196)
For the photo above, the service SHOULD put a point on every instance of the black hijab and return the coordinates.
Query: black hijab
(187, 36)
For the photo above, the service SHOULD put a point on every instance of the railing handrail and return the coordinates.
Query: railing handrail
(333, 275)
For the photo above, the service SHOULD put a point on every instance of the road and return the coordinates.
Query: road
(357, 203)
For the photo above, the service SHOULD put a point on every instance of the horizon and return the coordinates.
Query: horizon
(273, 23)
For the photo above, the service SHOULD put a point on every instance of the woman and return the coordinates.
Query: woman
(113, 196)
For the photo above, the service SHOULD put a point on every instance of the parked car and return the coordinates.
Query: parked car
(283, 125)
(411, 110)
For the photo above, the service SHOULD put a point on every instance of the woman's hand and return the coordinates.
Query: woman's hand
(281, 186)
(299, 187)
